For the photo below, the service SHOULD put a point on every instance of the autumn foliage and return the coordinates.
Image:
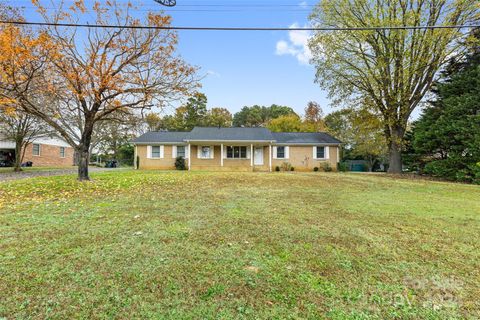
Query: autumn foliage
(74, 78)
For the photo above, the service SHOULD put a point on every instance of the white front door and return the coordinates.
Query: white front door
(258, 159)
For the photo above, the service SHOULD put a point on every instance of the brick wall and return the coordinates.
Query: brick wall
(301, 158)
(49, 156)
(165, 163)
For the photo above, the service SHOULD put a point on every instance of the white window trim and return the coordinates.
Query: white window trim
(327, 153)
(175, 153)
(287, 153)
(39, 149)
(149, 152)
(199, 152)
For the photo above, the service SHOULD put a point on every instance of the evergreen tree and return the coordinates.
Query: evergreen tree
(447, 136)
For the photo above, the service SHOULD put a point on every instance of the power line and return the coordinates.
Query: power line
(242, 9)
(86, 25)
(210, 8)
(252, 5)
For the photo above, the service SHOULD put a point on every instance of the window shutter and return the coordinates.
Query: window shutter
(225, 152)
(212, 152)
(274, 152)
(187, 153)
(149, 152)
(287, 152)
(314, 153)
(327, 152)
(199, 152)
(174, 152)
(249, 149)
(162, 152)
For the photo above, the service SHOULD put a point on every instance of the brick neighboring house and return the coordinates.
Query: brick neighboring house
(42, 152)
(236, 149)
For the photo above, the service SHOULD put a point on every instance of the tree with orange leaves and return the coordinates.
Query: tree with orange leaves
(95, 74)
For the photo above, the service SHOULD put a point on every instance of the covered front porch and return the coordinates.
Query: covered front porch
(230, 156)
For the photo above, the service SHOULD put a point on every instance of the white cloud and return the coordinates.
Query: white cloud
(296, 45)
(213, 74)
(303, 4)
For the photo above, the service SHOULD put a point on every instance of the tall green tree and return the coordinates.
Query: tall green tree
(361, 133)
(219, 117)
(288, 123)
(193, 113)
(390, 70)
(259, 116)
(447, 135)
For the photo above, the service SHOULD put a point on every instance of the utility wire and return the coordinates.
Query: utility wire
(238, 5)
(86, 25)
(243, 9)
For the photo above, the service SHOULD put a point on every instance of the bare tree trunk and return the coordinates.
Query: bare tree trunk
(83, 160)
(395, 150)
(83, 151)
(17, 167)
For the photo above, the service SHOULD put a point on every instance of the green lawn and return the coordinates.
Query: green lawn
(179, 245)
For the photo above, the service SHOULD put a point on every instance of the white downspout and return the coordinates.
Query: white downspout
(135, 156)
(221, 154)
(251, 155)
(189, 157)
(270, 156)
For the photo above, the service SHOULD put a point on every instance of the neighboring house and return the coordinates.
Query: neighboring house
(42, 152)
(242, 149)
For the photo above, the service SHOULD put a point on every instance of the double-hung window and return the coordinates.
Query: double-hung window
(36, 149)
(280, 152)
(62, 152)
(320, 153)
(205, 152)
(156, 152)
(236, 152)
(181, 151)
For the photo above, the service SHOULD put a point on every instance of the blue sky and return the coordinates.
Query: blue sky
(243, 68)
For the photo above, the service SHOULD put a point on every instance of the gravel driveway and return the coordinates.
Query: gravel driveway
(7, 176)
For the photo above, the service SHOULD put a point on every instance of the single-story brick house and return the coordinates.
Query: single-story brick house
(236, 149)
(42, 152)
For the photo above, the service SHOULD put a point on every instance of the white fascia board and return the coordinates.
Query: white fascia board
(7, 144)
(155, 143)
(229, 141)
(306, 144)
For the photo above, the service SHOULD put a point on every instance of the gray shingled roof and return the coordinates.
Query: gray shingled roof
(305, 138)
(162, 136)
(230, 134)
(236, 134)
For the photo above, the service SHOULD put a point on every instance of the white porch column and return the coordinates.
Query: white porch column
(270, 156)
(251, 155)
(135, 155)
(221, 155)
(189, 157)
